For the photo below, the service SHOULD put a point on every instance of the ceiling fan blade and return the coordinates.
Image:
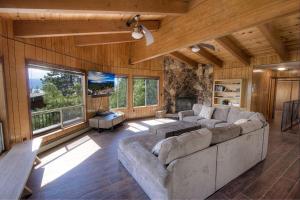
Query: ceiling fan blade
(209, 46)
(148, 35)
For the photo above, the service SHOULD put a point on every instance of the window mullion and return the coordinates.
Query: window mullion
(145, 92)
(118, 92)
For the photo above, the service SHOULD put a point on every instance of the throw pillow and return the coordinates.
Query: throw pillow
(197, 109)
(250, 126)
(260, 117)
(241, 121)
(176, 147)
(156, 148)
(206, 112)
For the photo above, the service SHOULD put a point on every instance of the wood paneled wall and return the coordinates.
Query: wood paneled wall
(62, 52)
(261, 84)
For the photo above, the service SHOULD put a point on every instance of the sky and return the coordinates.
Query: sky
(35, 73)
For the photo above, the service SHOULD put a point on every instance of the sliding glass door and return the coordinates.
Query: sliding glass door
(56, 98)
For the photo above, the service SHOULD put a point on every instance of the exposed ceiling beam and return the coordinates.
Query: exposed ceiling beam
(227, 43)
(221, 18)
(161, 7)
(53, 28)
(271, 36)
(90, 40)
(212, 59)
(179, 56)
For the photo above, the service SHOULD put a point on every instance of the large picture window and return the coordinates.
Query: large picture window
(145, 92)
(119, 98)
(56, 98)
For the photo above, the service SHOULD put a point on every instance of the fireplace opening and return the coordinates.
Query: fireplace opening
(185, 103)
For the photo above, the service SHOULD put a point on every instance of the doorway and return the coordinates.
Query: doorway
(286, 102)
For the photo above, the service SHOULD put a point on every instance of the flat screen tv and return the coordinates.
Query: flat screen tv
(100, 84)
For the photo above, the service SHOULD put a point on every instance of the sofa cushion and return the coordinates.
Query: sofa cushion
(197, 109)
(209, 123)
(176, 147)
(250, 126)
(260, 117)
(223, 124)
(206, 112)
(192, 118)
(221, 114)
(236, 114)
(222, 134)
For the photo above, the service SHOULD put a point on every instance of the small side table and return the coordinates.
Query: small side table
(160, 113)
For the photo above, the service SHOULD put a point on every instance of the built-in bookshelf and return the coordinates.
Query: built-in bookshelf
(228, 92)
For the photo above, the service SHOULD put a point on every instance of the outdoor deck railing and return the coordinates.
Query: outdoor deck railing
(46, 120)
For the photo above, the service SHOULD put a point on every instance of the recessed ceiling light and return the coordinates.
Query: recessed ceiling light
(281, 68)
(258, 70)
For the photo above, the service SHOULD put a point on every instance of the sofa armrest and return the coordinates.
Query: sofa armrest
(185, 113)
(148, 163)
(193, 176)
(265, 141)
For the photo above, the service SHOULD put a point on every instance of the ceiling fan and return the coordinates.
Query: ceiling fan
(139, 30)
(197, 47)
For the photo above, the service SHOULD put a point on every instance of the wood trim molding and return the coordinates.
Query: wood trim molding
(187, 29)
(179, 56)
(271, 36)
(161, 7)
(227, 43)
(54, 28)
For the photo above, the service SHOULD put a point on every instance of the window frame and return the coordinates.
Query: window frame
(145, 99)
(46, 66)
(126, 77)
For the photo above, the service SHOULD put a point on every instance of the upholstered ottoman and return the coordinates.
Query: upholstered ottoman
(174, 128)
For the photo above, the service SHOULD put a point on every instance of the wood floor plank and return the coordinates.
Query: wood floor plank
(295, 193)
(293, 172)
(280, 190)
(101, 176)
(261, 186)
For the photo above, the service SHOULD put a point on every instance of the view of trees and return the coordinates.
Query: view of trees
(145, 92)
(119, 98)
(62, 89)
(56, 89)
(138, 92)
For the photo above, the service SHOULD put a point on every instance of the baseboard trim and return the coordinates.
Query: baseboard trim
(62, 140)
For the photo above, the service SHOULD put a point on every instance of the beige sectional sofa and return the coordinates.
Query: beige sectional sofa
(195, 164)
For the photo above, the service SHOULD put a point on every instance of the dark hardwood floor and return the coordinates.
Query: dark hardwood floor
(87, 168)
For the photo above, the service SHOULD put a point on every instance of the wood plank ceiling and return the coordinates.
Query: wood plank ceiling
(103, 24)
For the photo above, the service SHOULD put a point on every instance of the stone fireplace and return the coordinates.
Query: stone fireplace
(185, 85)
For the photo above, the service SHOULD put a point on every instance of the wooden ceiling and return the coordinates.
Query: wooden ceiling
(252, 42)
(91, 23)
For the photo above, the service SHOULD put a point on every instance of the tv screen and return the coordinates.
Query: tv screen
(100, 84)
